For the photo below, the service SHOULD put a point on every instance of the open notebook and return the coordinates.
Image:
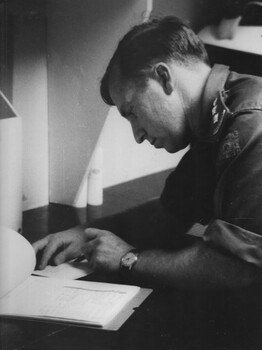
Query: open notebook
(22, 295)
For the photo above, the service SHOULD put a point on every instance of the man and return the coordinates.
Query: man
(161, 81)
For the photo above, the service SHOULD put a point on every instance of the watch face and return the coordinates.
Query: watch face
(129, 259)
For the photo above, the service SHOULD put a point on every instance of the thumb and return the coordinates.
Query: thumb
(92, 233)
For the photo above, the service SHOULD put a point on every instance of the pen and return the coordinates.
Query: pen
(80, 258)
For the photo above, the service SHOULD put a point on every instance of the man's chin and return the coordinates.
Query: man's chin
(170, 149)
(173, 148)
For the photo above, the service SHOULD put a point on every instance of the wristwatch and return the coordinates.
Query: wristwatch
(129, 260)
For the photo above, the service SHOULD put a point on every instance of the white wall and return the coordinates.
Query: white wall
(30, 97)
(81, 39)
(126, 160)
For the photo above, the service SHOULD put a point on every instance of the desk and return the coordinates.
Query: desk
(168, 320)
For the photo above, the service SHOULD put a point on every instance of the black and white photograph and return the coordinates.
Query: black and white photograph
(130, 175)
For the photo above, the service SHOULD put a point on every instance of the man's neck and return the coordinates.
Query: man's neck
(192, 83)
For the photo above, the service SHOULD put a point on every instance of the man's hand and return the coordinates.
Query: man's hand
(104, 250)
(61, 246)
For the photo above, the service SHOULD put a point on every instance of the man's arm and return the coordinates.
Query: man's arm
(139, 226)
(199, 266)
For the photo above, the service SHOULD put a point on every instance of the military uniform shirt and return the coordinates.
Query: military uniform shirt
(217, 185)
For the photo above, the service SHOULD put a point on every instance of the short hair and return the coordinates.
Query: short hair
(145, 44)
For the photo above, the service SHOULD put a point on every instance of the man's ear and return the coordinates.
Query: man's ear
(163, 75)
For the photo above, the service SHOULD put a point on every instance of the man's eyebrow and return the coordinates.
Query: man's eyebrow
(125, 113)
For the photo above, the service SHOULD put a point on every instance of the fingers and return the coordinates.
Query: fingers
(65, 255)
(52, 246)
(39, 245)
(66, 245)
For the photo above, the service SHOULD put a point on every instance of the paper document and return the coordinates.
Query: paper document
(17, 259)
(82, 302)
(69, 270)
(59, 298)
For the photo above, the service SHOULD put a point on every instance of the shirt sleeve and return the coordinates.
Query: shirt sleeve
(237, 222)
(245, 244)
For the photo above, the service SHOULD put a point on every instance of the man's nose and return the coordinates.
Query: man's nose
(139, 134)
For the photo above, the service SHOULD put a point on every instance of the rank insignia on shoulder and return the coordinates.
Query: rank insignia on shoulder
(230, 146)
(215, 118)
(219, 115)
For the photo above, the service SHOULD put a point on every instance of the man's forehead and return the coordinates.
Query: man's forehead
(122, 98)
(118, 86)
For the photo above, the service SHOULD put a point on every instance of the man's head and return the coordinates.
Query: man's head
(142, 80)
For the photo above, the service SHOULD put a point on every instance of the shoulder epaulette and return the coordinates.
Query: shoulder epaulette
(220, 114)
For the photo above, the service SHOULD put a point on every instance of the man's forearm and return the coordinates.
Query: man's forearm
(196, 267)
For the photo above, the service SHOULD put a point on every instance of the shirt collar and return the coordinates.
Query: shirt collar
(214, 85)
